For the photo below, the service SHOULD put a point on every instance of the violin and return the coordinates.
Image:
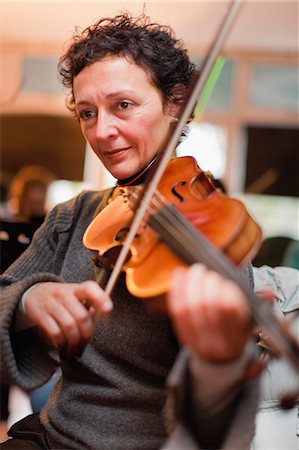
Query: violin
(186, 202)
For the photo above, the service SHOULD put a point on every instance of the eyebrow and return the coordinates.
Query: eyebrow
(109, 96)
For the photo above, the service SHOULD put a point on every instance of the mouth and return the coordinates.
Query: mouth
(116, 153)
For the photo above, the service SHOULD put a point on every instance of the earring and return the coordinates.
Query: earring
(174, 119)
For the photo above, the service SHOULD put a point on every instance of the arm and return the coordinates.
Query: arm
(25, 356)
(21, 351)
(213, 322)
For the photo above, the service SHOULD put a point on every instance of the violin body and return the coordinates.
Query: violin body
(222, 220)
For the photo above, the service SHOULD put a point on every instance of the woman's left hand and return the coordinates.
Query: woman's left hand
(210, 314)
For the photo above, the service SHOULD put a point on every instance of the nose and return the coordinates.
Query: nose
(106, 127)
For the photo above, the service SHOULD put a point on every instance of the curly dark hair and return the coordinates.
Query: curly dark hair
(150, 45)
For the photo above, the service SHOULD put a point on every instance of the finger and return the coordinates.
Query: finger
(66, 319)
(183, 287)
(51, 332)
(92, 294)
(179, 302)
(222, 298)
(176, 293)
(200, 317)
(225, 328)
(87, 301)
(84, 316)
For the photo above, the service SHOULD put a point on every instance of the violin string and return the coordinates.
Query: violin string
(171, 222)
(175, 224)
(180, 229)
(201, 250)
(159, 201)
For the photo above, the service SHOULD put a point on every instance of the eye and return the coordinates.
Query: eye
(86, 114)
(125, 104)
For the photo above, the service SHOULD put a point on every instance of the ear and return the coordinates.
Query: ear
(176, 100)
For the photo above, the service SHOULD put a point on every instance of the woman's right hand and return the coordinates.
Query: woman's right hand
(66, 313)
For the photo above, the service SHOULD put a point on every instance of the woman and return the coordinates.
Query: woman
(127, 79)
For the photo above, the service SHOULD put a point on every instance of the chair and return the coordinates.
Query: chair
(14, 239)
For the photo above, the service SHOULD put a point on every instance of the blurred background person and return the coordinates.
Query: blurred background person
(27, 194)
(24, 211)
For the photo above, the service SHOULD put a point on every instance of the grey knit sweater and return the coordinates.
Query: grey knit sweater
(112, 396)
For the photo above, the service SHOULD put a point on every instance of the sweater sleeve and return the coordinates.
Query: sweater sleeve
(230, 426)
(25, 359)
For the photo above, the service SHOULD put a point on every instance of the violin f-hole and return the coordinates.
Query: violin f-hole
(176, 194)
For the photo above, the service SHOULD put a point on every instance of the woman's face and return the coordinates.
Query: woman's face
(122, 114)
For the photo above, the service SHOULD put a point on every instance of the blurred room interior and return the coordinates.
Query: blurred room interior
(245, 133)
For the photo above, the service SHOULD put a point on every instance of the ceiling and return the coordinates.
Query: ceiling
(260, 25)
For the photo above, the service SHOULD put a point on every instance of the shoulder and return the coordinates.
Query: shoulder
(84, 205)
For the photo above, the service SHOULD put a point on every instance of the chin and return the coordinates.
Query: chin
(122, 173)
